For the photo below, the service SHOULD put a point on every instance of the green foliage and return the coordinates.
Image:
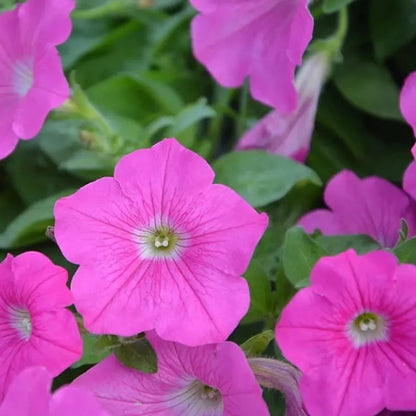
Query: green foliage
(258, 343)
(260, 177)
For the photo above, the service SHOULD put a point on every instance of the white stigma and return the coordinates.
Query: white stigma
(367, 328)
(161, 241)
(368, 325)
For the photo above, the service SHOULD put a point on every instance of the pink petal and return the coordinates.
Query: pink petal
(169, 392)
(50, 89)
(23, 401)
(46, 21)
(263, 40)
(408, 100)
(369, 206)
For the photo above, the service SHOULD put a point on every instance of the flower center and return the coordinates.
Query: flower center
(160, 241)
(21, 321)
(367, 328)
(23, 77)
(211, 394)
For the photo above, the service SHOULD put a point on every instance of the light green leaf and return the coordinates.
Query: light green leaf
(256, 345)
(29, 227)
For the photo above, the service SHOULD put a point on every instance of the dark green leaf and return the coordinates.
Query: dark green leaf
(369, 87)
(300, 253)
(406, 252)
(261, 301)
(392, 24)
(260, 177)
(330, 6)
(138, 354)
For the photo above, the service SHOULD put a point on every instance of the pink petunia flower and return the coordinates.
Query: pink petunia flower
(260, 39)
(35, 327)
(290, 134)
(210, 380)
(159, 247)
(408, 100)
(356, 344)
(371, 206)
(29, 395)
(33, 81)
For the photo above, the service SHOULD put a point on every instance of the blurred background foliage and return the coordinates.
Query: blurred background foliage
(134, 81)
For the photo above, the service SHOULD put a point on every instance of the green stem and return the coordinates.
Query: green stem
(243, 106)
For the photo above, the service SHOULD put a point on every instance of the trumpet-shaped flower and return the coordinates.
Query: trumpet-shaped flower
(355, 345)
(260, 39)
(210, 380)
(29, 395)
(35, 327)
(408, 100)
(290, 134)
(369, 206)
(33, 81)
(159, 247)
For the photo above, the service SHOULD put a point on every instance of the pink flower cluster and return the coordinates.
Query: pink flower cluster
(161, 249)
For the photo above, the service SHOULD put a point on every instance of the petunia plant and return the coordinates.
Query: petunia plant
(215, 212)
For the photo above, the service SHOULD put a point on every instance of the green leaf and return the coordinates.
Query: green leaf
(261, 300)
(95, 348)
(258, 343)
(138, 354)
(392, 24)
(29, 227)
(406, 252)
(185, 122)
(260, 177)
(136, 98)
(334, 244)
(331, 6)
(369, 87)
(300, 253)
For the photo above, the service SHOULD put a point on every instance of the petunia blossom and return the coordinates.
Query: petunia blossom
(159, 247)
(35, 327)
(290, 134)
(33, 81)
(355, 345)
(209, 380)
(260, 39)
(371, 206)
(29, 395)
(408, 100)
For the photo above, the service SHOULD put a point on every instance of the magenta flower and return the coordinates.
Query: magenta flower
(210, 380)
(35, 327)
(290, 134)
(408, 100)
(160, 247)
(29, 395)
(260, 39)
(369, 206)
(33, 81)
(356, 344)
